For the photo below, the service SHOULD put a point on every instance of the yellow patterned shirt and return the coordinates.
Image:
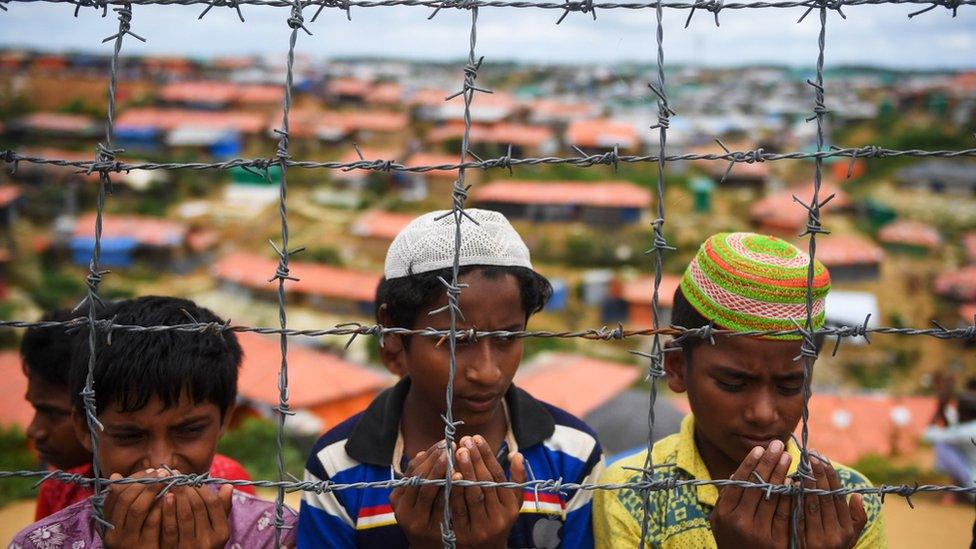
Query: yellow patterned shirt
(678, 518)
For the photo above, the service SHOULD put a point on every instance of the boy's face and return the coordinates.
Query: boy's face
(485, 368)
(51, 429)
(744, 392)
(183, 436)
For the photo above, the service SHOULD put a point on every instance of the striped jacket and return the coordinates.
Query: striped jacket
(555, 444)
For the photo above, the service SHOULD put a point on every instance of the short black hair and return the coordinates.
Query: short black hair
(685, 315)
(167, 364)
(407, 297)
(46, 352)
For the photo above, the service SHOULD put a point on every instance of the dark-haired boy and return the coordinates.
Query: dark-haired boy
(505, 434)
(46, 359)
(746, 396)
(164, 399)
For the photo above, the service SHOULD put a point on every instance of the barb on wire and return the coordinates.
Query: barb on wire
(584, 6)
(714, 6)
(219, 3)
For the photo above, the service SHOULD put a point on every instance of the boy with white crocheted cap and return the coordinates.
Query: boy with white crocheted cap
(504, 433)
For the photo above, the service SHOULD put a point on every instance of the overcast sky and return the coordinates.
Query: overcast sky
(878, 35)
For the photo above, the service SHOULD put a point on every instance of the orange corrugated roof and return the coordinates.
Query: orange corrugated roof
(779, 210)
(350, 86)
(8, 194)
(601, 132)
(150, 231)
(389, 93)
(428, 97)
(969, 246)
(380, 224)
(435, 159)
(912, 233)
(58, 122)
(551, 109)
(846, 428)
(192, 92)
(168, 119)
(314, 377)
(309, 122)
(968, 312)
(253, 271)
(959, 284)
(14, 409)
(845, 249)
(501, 133)
(613, 194)
(575, 383)
(640, 290)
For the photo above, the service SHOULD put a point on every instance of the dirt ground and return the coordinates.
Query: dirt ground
(930, 524)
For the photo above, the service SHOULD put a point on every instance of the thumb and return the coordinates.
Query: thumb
(518, 475)
(225, 495)
(859, 516)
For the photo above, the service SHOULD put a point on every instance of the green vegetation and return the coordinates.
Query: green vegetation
(15, 457)
(252, 443)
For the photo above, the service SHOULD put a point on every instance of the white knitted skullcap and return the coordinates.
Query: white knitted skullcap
(427, 243)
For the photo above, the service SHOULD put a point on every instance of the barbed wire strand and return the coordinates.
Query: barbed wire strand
(571, 6)
(655, 368)
(609, 158)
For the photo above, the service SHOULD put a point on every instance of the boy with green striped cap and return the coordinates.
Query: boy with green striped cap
(746, 397)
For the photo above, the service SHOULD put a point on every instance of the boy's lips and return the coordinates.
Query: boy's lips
(757, 440)
(478, 402)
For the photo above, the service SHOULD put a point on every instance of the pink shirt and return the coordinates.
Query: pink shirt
(251, 525)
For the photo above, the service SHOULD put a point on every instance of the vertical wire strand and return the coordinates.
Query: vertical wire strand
(458, 195)
(656, 366)
(105, 154)
(296, 22)
(809, 346)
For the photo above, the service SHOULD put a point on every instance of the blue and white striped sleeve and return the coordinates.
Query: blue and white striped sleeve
(323, 520)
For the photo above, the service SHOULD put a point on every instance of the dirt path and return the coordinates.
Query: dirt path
(928, 525)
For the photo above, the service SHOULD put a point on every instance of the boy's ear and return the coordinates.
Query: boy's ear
(675, 367)
(81, 429)
(392, 350)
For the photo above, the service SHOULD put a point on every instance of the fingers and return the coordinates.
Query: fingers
(124, 495)
(201, 518)
(766, 511)
(141, 506)
(828, 507)
(486, 468)
(226, 496)
(859, 517)
(840, 502)
(427, 494)
(219, 528)
(149, 535)
(517, 468)
(420, 467)
(782, 515)
(184, 514)
(812, 520)
(170, 533)
(460, 513)
(729, 496)
(749, 501)
(474, 497)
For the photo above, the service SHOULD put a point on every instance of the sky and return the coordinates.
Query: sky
(879, 35)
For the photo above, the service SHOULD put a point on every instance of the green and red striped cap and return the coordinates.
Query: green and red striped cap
(749, 281)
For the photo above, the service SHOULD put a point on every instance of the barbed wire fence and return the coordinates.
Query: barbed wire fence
(106, 163)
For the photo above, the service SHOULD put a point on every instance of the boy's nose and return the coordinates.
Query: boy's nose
(160, 453)
(481, 367)
(761, 410)
(36, 430)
